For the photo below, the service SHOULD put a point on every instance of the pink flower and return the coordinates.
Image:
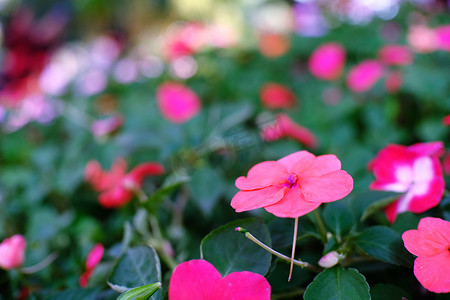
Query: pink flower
(285, 127)
(117, 187)
(273, 44)
(431, 244)
(274, 95)
(327, 61)
(414, 171)
(422, 39)
(395, 55)
(177, 102)
(446, 120)
(363, 76)
(12, 252)
(93, 259)
(443, 37)
(393, 82)
(198, 280)
(293, 185)
(184, 39)
(106, 126)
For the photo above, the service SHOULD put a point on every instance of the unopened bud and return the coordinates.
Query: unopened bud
(330, 259)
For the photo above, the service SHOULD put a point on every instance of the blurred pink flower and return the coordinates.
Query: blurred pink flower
(293, 185)
(106, 126)
(446, 120)
(274, 95)
(395, 55)
(393, 81)
(327, 61)
(363, 76)
(12, 252)
(273, 45)
(117, 187)
(431, 244)
(184, 39)
(197, 279)
(285, 127)
(177, 103)
(443, 37)
(414, 171)
(422, 38)
(93, 259)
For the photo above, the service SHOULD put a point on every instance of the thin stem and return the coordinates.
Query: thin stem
(299, 263)
(321, 226)
(40, 265)
(294, 243)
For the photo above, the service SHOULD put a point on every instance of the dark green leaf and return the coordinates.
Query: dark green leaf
(388, 292)
(405, 221)
(140, 293)
(366, 203)
(230, 251)
(338, 284)
(338, 217)
(76, 294)
(384, 244)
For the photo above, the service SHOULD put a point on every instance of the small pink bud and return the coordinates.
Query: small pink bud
(330, 259)
(12, 252)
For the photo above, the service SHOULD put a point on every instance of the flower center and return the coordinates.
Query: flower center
(292, 179)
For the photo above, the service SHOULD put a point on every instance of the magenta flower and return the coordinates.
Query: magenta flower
(117, 187)
(293, 185)
(199, 280)
(274, 95)
(12, 252)
(395, 55)
(443, 37)
(414, 171)
(363, 76)
(327, 61)
(177, 102)
(431, 244)
(93, 259)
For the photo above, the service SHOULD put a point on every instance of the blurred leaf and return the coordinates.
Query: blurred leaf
(388, 292)
(137, 267)
(171, 183)
(230, 251)
(405, 221)
(140, 293)
(365, 203)
(384, 244)
(338, 217)
(76, 294)
(338, 284)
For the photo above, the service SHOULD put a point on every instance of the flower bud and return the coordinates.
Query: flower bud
(330, 259)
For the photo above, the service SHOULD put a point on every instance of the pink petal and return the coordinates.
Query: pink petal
(104, 180)
(194, 279)
(326, 188)
(275, 96)
(94, 257)
(395, 55)
(262, 175)
(12, 252)
(321, 165)
(363, 76)
(292, 205)
(428, 149)
(247, 200)
(327, 61)
(433, 272)
(295, 131)
(297, 161)
(243, 286)
(138, 173)
(116, 197)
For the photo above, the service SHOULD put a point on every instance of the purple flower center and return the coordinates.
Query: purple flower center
(292, 178)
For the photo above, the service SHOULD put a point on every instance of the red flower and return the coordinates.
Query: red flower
(431, 244)
(413, 170)
(292, 186)
(116, 186)
(393, 82)
(395, 55)
(12, 252)
(446, 120)
(274, 95)
(285, 127)
(363, 76)
(327, 61)
(93, 259)
(177, 102)
(198, 280)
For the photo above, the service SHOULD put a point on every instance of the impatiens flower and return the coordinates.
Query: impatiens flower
(293, 185)
(363, 76)
(327, 62)
(199, 280)
(93, 259)
(12, 252)
(274, 95)
(446, 120)
(273, 44)
(414, 171)
(393, 82)
(395, 55)
(285, 127)
(431, 244)
(117, 187)
(422, 39)
(443, 37)
(177, 102)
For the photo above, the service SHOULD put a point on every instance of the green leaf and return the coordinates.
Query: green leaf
(230, 251)
(366, 203)
(405, 221)
(338, 284)
(338, 217)
(171, 183)
(388, 292)
(384, 244)
(137, 267)
(76, 294)
(140, 293)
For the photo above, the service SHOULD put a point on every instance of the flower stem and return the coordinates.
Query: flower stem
(299, 263)
(40, 265)
(294, 243)
(320, 226)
